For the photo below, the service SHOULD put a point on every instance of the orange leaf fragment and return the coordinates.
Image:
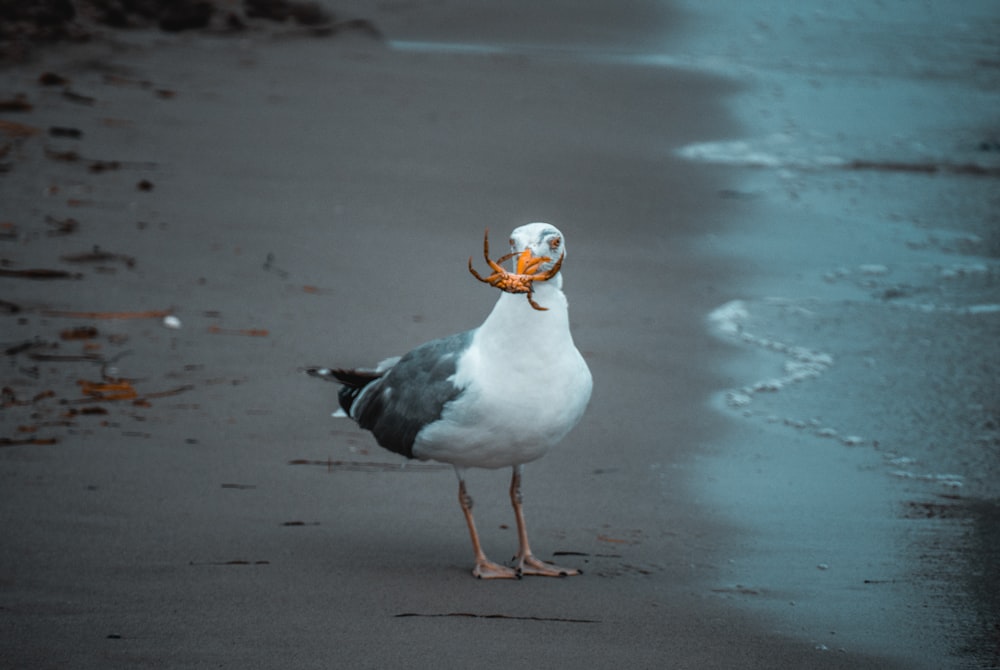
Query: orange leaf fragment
(113, 390)
(249, 332)
(15, 129)
(151, 314)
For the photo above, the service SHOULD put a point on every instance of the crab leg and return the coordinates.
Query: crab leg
(476, 274)
(535, 304)
(552, 271)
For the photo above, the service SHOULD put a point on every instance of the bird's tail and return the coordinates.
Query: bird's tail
(352, 382)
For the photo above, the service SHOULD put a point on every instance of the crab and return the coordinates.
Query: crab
(525, 273)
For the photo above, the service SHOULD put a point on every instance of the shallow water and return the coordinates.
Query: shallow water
(868, 312)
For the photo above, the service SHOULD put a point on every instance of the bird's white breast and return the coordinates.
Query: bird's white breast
(524, 384)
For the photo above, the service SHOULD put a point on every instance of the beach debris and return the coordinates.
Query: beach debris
(972, 169)
(24, 25)
(19, 103)
(8, 397)
(96, 165)
(738, 589)
(61, 226)
(17, 130)
(269, 266)
(103, 166)
(52, 79)
(108, 390)
(65, 131)
(186, 15)
(172, 322)
(919, 509)
(237, 561)
(94, 410)
(98, 255)
(169, 392)
(150, 314)
(26, 346)
(249, 332)
(22, 441)
(473, 615)
(79, 98)
(69, 156)
(41, 274)
(332, 465)
(144, 185)
(304, 13)
(79, 333)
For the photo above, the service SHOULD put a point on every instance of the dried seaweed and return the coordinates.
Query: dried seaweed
(371, 466)
(98, 255)
(22, 441)
(249, 332)
(66, 314)
(509, 617)
(39, 274)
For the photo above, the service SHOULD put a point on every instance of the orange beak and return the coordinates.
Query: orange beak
(527, 262)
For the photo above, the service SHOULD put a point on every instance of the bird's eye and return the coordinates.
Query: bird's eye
(511, 241)
(554, 243)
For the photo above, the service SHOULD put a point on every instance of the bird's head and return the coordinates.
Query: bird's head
(540, 240)
(537, 251)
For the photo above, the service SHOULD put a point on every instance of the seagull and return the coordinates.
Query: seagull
(496, 396)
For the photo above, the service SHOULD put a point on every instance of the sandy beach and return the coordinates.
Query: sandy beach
(189, 219)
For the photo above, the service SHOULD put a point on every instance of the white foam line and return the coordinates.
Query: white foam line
(729, 321)
(982, 309)
(929, 307)
(772, 152)
(801, 363)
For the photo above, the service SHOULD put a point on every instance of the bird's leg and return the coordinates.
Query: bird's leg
(526, 563)
(485, 568)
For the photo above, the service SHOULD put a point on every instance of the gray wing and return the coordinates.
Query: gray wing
(412, 394)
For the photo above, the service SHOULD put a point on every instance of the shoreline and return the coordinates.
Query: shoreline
(307, 200)
(867, 360)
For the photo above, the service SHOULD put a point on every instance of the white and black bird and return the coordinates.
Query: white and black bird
(496, 396)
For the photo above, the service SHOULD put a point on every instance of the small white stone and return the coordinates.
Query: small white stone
(172, 322)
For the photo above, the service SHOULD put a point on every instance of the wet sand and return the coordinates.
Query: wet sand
(298, 201)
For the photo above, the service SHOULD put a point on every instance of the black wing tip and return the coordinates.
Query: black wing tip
(326, 374)
(352, 378)
(351, 381)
